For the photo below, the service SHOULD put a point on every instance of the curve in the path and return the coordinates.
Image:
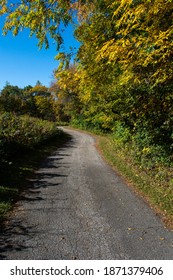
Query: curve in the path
(78, 208)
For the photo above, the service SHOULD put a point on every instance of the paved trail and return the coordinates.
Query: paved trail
(78, 208)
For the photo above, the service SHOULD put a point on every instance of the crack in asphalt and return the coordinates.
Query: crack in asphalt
(78, 208)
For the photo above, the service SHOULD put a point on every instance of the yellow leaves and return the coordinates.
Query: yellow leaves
(146, 150)
(115, 51)
(136, 39)
(39, 89)
(162, 238)
(131, 228)
(123, 4)
(126, 77)
(3, 9)
(85, 98)
(139, 10)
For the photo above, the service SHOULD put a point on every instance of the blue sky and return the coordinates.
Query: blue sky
(21, 61)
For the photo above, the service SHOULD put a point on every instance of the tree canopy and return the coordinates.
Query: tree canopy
(42, 17)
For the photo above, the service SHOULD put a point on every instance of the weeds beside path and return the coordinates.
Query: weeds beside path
(158, 193)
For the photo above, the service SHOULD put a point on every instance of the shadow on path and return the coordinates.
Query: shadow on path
(15, 231)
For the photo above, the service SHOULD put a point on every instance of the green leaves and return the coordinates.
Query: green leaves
(43, 18)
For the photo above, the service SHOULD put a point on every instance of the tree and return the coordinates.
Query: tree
(39, 90)
(67, 90)
(127, 46)
(42, 101)
(11, 99)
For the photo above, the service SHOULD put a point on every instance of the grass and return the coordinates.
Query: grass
(14, 174)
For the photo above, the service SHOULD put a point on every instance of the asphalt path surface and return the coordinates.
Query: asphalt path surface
(77, 207)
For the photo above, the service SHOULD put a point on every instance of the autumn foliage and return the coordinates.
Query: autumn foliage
(123, 72)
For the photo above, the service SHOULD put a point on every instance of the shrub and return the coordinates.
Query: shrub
(23, 132)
